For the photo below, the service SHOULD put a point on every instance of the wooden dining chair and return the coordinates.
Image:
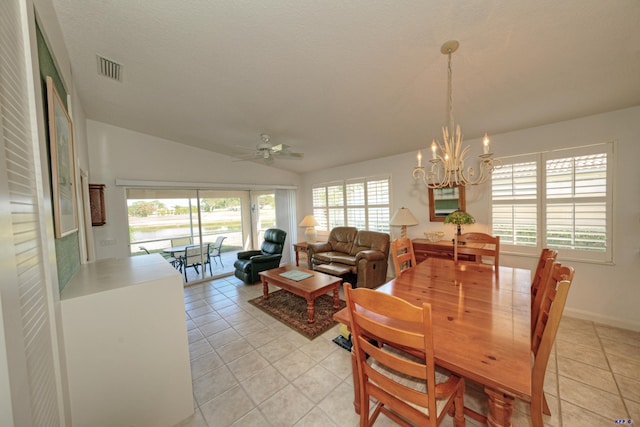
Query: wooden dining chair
(540, 277)
(537, 276)
(402, 254)
(554, 290)
(478, 244)
(387, 332)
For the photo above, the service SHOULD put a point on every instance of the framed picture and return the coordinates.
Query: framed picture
(443, 201)
(65, 212)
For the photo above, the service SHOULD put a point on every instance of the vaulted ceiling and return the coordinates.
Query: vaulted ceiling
(345, 81)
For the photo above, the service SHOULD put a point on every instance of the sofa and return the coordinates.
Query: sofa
(250, 263)
(356, 255)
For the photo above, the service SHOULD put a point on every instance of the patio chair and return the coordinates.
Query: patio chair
(181, 241)
(215, 250)
(193, 257)
(171, 260)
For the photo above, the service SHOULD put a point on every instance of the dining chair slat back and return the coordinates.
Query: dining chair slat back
(406, 388)
(545, 254)
(403, 255)
(478, 244)
(555, 292)
(540, 280)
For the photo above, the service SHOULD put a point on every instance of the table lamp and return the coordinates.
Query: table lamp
(310, 233)
(403, 217)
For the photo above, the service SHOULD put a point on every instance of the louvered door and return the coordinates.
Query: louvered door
(30, 364)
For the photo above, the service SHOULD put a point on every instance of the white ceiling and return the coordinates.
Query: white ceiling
(345, 81)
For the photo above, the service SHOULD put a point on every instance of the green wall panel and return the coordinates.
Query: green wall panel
(68, 247)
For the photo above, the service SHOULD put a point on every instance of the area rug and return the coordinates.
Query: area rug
(291, 310)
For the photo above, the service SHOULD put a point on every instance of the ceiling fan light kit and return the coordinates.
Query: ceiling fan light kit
(268, 152)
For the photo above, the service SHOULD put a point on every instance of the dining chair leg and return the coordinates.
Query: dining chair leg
(545, 405)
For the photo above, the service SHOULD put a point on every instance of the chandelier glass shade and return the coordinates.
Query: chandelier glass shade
(448, 164)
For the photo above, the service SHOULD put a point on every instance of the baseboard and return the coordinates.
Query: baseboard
(605, 320)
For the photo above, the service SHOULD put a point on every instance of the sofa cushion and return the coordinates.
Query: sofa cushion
(333, 256)
(344, 259)
(341, 238)
(335, 269)
(373, 240)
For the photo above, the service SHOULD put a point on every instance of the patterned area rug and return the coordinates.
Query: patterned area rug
(291, 310)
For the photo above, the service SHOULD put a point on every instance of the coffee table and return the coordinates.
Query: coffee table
(309, 288)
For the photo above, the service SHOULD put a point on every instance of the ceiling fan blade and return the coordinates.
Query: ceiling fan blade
(289, 155)
(280, 147)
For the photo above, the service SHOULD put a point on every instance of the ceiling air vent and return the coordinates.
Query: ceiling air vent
(109, 68)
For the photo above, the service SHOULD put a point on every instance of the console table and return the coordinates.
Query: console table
(424, 249)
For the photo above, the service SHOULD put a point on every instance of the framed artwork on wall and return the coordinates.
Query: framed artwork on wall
(65, 212)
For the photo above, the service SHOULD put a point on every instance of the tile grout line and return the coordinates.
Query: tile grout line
(615, 380)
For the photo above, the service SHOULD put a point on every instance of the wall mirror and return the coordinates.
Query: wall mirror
(443, 201)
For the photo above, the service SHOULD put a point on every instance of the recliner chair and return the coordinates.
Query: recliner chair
(250, 263)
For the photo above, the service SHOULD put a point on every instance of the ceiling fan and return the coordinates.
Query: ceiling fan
(267, 152)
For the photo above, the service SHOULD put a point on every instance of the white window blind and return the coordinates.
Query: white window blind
(514, 193)
(560, 199)
(576, 192)
(361, 203)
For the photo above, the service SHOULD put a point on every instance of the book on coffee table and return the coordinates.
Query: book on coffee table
(296, 275)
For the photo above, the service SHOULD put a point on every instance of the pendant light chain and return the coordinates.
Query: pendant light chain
(450, 96)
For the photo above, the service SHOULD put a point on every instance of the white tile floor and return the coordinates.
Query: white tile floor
(250, 370)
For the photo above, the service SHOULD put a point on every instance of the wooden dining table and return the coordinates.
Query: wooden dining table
(481, 325)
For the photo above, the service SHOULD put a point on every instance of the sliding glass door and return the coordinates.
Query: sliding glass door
(199, 231)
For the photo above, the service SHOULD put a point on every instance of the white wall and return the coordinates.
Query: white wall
(603, 293)
(117, 153)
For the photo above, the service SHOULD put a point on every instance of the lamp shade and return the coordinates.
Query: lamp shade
(310, 233)
(403, 217)
(308, 221)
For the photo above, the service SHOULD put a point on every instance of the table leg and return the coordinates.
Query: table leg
(311, 310)
(265, 288)
(500, 408)
(336, 297)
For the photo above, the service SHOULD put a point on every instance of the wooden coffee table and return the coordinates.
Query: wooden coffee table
(309, 288)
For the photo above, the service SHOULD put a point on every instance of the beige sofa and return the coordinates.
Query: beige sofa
(351, 252)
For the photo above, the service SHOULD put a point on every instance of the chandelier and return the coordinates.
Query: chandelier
(448, 158)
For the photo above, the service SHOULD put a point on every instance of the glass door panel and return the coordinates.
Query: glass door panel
(263, 207)
(166, 221)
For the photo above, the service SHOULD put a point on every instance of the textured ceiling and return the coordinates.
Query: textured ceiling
(344, 81)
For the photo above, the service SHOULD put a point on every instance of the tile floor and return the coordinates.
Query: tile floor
(250, 370)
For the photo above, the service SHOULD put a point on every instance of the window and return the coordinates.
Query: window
(361, 203)
(558, 199)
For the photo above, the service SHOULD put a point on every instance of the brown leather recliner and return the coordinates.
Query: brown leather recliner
(349, 251)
